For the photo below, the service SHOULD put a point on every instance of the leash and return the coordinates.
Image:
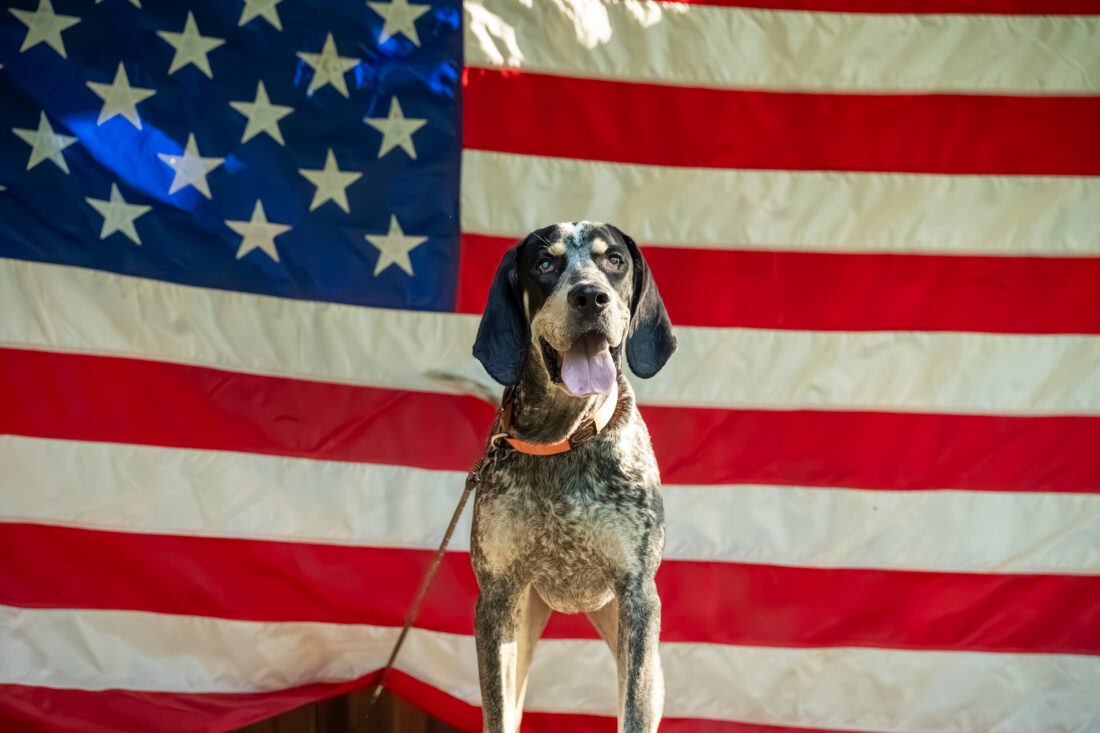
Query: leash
(501, 430)
(473, 480)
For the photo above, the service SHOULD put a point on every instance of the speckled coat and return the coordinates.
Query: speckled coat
(580, 531)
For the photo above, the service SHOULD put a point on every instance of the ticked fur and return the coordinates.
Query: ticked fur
(581, 531)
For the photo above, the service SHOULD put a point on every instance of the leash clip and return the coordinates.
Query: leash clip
(473, 478)
(492, 453)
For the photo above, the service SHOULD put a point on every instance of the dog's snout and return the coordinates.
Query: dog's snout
(589, 299)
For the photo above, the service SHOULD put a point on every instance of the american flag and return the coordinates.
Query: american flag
(243, 249)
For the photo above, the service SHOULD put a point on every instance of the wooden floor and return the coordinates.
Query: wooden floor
(345, 714)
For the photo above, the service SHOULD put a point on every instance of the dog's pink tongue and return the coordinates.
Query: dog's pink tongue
(587, 368)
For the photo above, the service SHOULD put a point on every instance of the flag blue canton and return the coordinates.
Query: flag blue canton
(319, 251)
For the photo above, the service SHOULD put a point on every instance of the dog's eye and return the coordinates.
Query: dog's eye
(544, 265)
(615, 261)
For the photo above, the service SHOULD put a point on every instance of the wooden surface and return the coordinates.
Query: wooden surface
(344, 714)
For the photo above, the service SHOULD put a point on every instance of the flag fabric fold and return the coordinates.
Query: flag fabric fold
(243, 250)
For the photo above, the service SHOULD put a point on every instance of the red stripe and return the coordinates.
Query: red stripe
(656, 124)
(876, 450)
(759, 605)
(156, 403)
(990, 7)
(845, 292)
(24, 709)
(40, 709)
(105, 399)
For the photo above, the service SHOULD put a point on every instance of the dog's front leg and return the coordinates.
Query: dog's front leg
(495, 630)
(641, 683)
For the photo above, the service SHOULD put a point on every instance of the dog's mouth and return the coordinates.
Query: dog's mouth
(587, 367)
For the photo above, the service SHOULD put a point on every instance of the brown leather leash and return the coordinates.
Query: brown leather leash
(501, 429)
(473, 480)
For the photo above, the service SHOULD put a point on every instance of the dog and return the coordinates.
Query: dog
(569, 515)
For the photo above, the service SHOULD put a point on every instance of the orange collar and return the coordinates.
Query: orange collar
(588, 429)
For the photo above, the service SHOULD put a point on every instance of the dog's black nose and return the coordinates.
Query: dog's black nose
(589, 299)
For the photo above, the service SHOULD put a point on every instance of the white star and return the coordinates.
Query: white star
(45, 144)
(400, 17)
(264, 8)
(119, 98)
(118, 216)
(44, 25)
(328, 67)
(263, 116)
(191, 168)
(135, 3)
(394, 248)
(191, 48)
(257, 233)
(331, 183)
(397, 130)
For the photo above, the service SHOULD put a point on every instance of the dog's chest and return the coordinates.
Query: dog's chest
(571, 534)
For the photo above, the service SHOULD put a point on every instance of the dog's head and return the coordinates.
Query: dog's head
(571, 296)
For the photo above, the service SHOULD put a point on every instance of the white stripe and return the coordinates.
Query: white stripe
(705, 46)
(896, 370)
(509, 195)
(873, 689)
(72, 309)
(941, 531)
(147, 489)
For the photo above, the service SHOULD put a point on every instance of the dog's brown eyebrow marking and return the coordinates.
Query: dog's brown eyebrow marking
(557, 249)
(599, 246)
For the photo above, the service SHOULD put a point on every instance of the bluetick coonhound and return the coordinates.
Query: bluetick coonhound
(569, 514)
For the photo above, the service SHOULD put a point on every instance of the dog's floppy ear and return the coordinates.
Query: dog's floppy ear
(503, 336)
(650, 341)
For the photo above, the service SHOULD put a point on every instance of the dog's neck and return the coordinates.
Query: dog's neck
(543, 412)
